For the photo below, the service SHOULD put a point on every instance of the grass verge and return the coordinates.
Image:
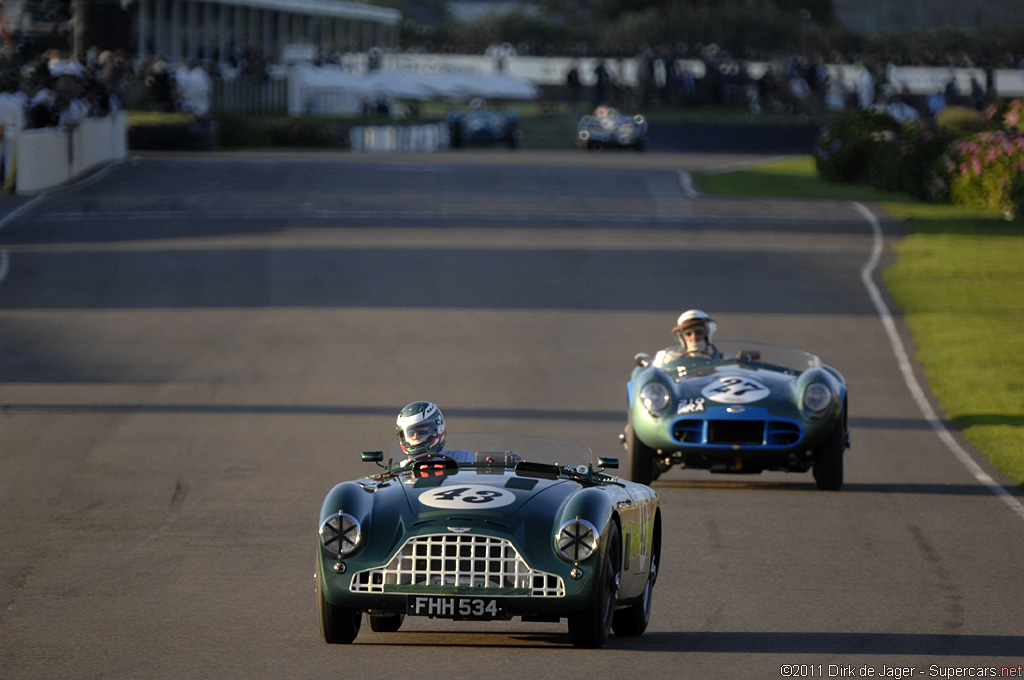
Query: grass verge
(959, 283)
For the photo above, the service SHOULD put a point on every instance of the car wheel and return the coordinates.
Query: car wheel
(455, 135)
(632, 622)
(639, 458)
(338, 625)
(828, 459)
(385, 623)
(589, 629)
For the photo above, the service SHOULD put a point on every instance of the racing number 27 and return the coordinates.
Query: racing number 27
(737, 387)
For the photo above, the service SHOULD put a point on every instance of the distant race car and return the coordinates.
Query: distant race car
(756, 408)
(607, 127)
(529, 528)
(480, 125)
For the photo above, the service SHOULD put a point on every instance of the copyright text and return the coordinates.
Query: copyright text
(898, 672)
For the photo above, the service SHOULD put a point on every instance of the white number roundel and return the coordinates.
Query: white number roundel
(467, 496)
(735, 390)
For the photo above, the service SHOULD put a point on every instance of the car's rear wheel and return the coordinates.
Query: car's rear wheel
(828, 459)
(639, 458)
(589, 629)
(385, 623)
(338, 625)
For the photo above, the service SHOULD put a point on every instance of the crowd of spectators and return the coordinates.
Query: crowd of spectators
(699, 74)
(54, 90)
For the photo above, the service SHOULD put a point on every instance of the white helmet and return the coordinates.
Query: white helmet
(421, 428)
(695, 317)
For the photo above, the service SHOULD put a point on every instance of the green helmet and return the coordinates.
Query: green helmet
(421, 428)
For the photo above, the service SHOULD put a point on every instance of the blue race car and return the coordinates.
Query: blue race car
(749, 408)
(481, 125)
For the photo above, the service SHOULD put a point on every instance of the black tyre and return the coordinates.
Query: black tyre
(338, 625)
(589, 629)
(639, 458)
(632, 621)
(385, 623)
(828, 459)
(455, 135)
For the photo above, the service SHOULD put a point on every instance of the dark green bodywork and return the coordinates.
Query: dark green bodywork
(389, 509)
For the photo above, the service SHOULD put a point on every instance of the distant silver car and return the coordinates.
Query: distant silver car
(608, 127)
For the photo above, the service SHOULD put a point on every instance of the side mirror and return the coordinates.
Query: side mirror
(642, 359)
(608, 463)
(372, 456)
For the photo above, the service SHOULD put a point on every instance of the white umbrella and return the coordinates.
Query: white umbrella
(397, 85)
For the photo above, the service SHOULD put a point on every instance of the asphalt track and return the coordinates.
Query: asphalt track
(196, 347)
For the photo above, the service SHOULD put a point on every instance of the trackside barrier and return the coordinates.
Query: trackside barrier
(47, 157)
(425, 138)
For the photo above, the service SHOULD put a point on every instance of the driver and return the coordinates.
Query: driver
(695, 330)
(421, 430)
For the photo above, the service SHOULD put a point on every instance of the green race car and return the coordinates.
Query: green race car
(500, 527)
(750, 408)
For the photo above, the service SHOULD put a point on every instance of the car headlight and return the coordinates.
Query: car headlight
(817, 397)
(655, 397)
(340, 534)
(577, 540)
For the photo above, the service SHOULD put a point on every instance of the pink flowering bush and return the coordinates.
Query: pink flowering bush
(1009, 115)
(974, 161)
(985, 170)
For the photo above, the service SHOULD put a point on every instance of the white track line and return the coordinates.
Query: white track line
(686, 184)
(908, 374)
(5, 258)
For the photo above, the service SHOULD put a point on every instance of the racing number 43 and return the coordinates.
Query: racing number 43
(474, 495)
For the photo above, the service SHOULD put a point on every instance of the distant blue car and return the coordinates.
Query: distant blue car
(481, 125)
(609, 127)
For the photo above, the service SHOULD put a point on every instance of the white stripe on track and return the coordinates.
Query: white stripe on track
(5, 260)
(907, 371)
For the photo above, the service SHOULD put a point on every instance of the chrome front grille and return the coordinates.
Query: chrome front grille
(458, 561)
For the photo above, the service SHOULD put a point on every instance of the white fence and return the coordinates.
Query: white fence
(552, 71)
(47, 157)
(424, 138)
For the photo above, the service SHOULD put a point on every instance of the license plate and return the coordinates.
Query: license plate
(454, 607)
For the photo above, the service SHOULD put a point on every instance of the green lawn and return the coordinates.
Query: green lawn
(959, 284)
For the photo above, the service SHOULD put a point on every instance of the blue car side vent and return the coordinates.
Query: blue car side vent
(689, 431)
(783, 433)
